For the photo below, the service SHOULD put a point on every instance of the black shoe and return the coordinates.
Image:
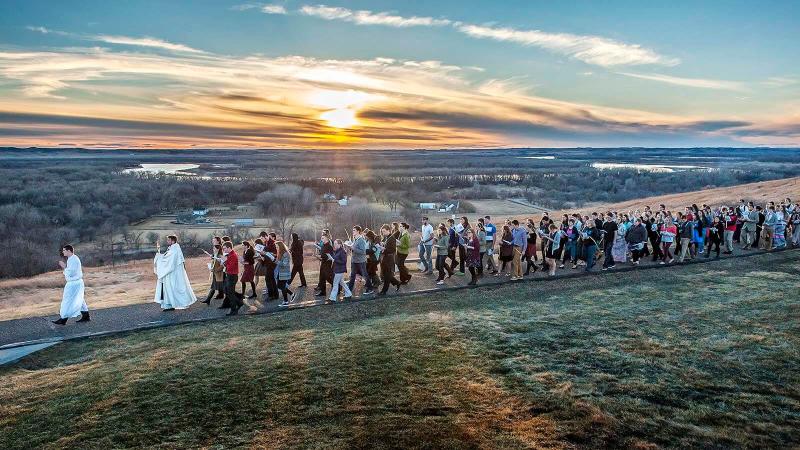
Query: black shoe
(60, 321)
(219, 297)
(234, 311)
(319, 294)
(397, 288)
(223, 306)
(206, 301)
(303, 285)
(84, 317)
(348, 298)
(168, 310)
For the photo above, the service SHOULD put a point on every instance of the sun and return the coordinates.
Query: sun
(340, 118)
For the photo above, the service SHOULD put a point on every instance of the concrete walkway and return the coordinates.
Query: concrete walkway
(39, 330)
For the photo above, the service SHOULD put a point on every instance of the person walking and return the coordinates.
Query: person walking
(716, 234)
(636, 237)
(358, 262)
(339, 260)
(442, 245)
(284, 266)
(520, 241)
(388, 251)
(472, 249)
(297, 252)
(325, 264)
(506, 251)
(668, 232)
(426, 246)
(491, 232)
(403, 247)
(73, 303)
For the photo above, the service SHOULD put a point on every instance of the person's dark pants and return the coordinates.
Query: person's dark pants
(272, 286)
(372, 271)
(359, 269)
(654, 242)
(387, 272)
(442, 267)
(608, 258)
(590, 251)
(715, 244)
(230, 291)
(737, 234)
(401, 265)
(283, 286)
(297, 269)
(530, 264)
(757, 239)
(543, 249)
(462, 256)
(225, 302)
(325, 276)
(480, 268)
(216, 286)
(473, 274)
(636, 254)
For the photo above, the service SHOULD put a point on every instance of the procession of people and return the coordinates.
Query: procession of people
(455, 248)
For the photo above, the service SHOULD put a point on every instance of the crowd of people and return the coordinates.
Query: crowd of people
(481, 248)
(455, 247)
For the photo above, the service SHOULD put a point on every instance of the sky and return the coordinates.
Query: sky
(402, 74)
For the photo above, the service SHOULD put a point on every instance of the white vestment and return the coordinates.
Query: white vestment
(72, 302)
(172, 289)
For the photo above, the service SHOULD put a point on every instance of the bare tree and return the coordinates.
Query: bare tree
(283, 204)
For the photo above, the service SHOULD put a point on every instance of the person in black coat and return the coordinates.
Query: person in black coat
(325, 266)
(296, 250)
(389, 251)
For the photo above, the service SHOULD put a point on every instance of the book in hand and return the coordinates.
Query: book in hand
(259, 248)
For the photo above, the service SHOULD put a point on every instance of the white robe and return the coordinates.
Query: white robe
(172, 289)
(72, 302)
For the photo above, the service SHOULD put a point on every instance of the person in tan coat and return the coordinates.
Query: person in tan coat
(217, 273)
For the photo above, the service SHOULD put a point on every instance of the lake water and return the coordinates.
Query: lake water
(171, 169)
(662, 168)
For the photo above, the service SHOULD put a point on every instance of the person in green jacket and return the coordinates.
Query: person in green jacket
(403, 247)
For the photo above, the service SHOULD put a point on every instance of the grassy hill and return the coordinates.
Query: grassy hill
(699, 356)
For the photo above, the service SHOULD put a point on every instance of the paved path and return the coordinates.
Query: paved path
(18, 332)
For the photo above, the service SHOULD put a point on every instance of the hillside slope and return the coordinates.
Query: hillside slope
(704, 356)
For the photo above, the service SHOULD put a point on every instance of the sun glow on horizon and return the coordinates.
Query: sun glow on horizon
(340, 118)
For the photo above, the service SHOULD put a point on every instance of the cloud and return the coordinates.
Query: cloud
(145, 42)
(273, 9)
(364, 17)
(589, 49)
(120, 40)
(690, 82)
(94, 96)
(780, 82)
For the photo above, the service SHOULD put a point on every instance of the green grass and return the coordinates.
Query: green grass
(698, 356)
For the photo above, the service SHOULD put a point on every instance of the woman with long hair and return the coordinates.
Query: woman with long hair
(553, 247)
(296, 250)
(472, 248)
(530, 249)
(506, 251)
(481, 235)
(668, 232)
(284, 262)
(442, 244)
(248, 272)
(373, 256)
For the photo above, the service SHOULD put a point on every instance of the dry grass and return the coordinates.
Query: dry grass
(703, 357)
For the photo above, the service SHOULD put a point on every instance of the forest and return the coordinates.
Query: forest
(52, 197)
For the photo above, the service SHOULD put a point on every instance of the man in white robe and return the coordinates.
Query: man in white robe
(72, 302)
(173, 290)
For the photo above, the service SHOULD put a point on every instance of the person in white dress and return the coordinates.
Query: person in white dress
(73, 303)
(173, 290)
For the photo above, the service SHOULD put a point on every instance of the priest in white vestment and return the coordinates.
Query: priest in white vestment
(72, 302)
(173, 290)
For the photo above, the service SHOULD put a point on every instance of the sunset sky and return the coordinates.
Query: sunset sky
(410, 74)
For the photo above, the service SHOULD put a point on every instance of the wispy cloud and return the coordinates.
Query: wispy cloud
(780, 82)
(364, 17)
(144, 41)
(589, 49)
(273, 9)
(690, 82)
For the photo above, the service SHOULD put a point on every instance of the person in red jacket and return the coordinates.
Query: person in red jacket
(729, 220)
(231, 262)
